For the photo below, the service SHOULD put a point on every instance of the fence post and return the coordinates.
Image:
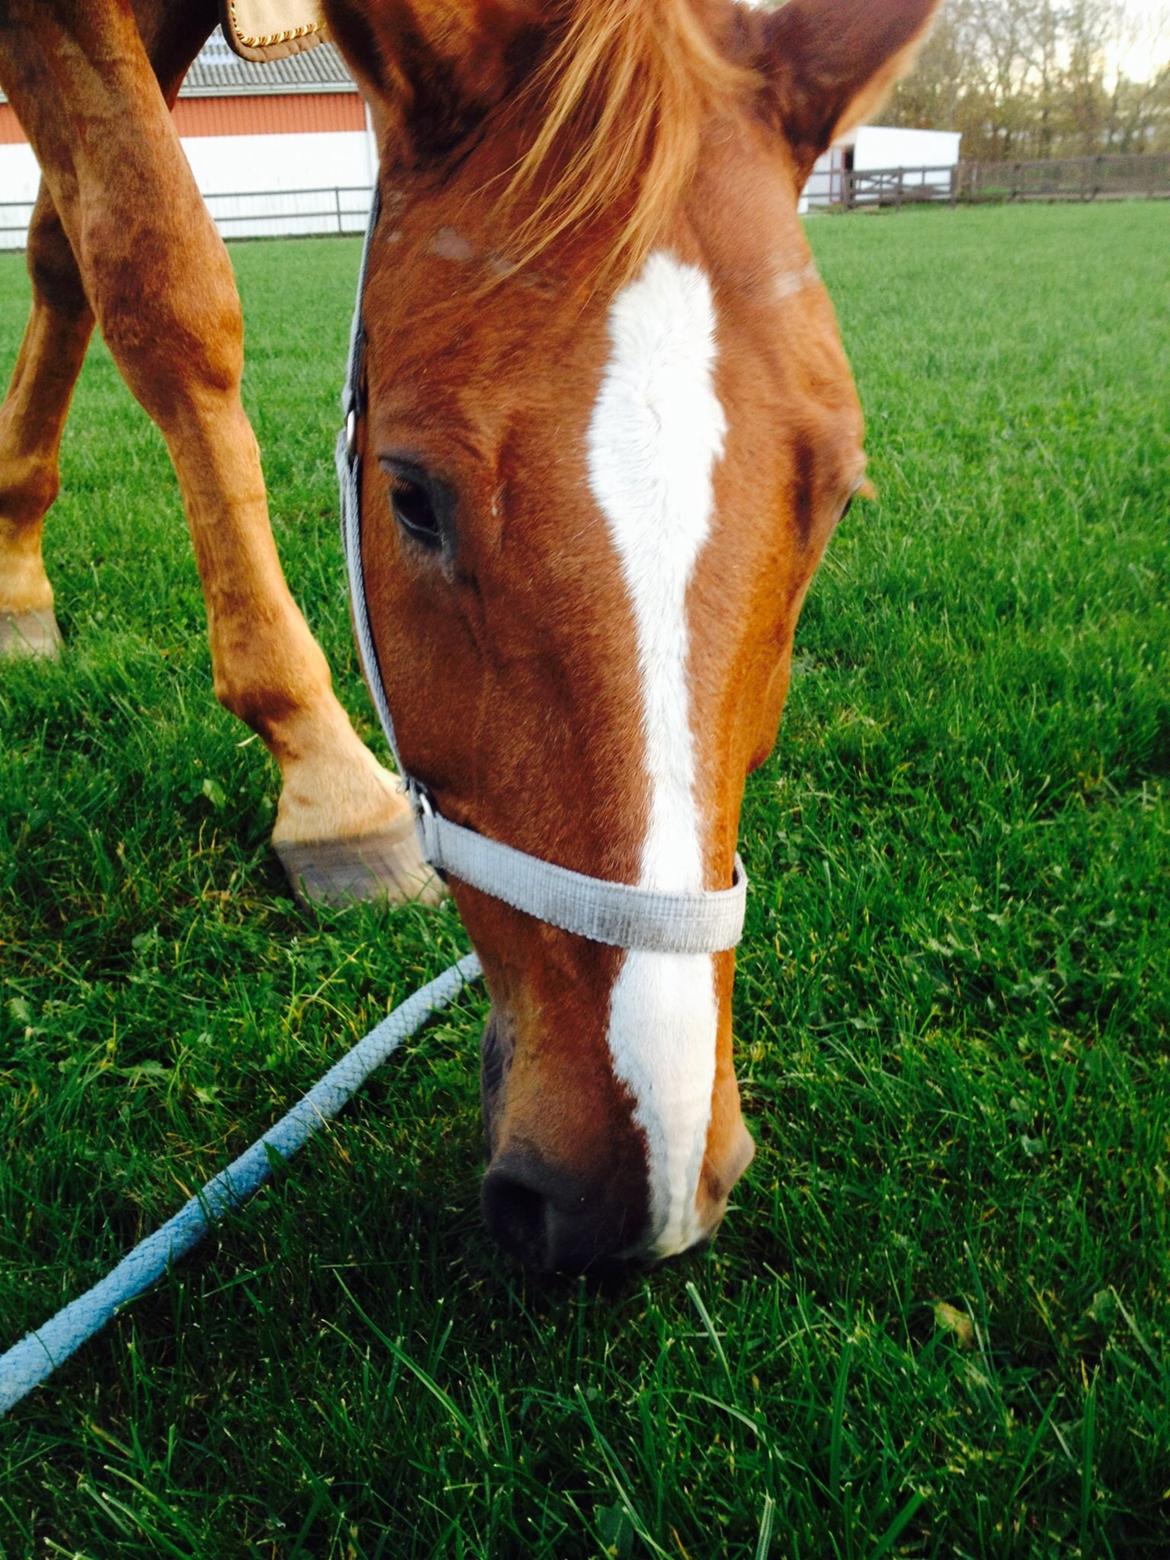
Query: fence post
(954, 185)
(898, 195)
(1097, 162)
(337, 204)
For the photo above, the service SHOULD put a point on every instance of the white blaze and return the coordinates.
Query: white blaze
(657, 431)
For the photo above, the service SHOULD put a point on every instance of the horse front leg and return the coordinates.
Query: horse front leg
(343, 828)
(31, 421)
(159, 281)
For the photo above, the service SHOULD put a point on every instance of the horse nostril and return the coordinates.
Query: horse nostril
(543, 1216)
(516, 1215)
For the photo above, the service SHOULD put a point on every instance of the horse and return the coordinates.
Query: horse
(608, 428)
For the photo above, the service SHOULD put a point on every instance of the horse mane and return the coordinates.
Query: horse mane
(623, 95)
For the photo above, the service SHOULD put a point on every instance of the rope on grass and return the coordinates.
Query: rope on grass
(38, 1354)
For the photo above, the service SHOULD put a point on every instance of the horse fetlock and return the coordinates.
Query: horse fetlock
(28, 486)
(24, 585)
(334, 788)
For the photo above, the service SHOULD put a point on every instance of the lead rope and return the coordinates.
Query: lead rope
(38, 1354)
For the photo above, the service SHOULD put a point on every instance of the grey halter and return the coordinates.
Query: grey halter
(620, 914)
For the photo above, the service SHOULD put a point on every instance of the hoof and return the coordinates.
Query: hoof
(30, 633)
(385, 865)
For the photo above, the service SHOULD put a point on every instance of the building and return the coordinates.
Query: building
(927, 156)
(283, 147)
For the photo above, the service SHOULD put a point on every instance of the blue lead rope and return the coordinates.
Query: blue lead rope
(37, 1355)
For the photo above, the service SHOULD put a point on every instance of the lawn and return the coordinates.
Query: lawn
(936, 1319)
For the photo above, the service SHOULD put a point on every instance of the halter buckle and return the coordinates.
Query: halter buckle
(420, 800)
(351, 433)
(424, 819)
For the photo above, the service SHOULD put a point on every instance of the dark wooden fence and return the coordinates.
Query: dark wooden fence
(1064, 178)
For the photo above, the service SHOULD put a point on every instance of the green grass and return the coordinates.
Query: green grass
(952, 1008)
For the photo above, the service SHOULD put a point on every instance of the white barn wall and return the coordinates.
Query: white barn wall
(228, 165)
(19, 180)
(884, 146)
(225, 165)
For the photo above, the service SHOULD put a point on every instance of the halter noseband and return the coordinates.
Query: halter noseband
(605, 911)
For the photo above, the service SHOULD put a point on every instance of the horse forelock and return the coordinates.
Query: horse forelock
(620, 100)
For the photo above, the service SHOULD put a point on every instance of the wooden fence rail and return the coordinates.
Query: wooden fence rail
(1063, 178)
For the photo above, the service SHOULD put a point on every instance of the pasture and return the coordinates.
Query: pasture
(936, 1319)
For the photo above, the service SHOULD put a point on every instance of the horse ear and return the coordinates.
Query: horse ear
(435, 66)
(830, 63)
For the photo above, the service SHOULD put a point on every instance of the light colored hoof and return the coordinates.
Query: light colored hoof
(385, 865)
(30, 633)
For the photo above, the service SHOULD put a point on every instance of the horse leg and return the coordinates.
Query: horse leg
(60, 324)
(159, 281)
(31, 421)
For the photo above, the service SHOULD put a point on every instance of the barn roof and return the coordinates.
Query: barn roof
(217, 72)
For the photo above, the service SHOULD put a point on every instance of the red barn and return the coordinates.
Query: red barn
(280, 147)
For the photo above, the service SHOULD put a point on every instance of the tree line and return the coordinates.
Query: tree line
(1029, 79)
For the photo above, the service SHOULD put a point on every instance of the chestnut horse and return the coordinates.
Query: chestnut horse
(608, 430)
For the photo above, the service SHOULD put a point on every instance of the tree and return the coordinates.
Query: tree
(1041, 78)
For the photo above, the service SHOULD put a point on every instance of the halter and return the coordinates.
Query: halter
(605, 911)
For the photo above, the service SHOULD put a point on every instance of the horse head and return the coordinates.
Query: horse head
(608, 431)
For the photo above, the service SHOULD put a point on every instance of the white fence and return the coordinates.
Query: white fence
(281, 213)
(15, 216)
(252, 214)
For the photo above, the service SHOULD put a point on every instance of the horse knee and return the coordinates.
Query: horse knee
(52, 265)
(172, 320)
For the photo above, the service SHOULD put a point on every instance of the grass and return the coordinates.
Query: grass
(935, 1322)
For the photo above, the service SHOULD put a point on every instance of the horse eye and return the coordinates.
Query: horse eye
(413, 504)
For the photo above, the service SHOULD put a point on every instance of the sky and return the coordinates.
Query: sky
(1151, 50)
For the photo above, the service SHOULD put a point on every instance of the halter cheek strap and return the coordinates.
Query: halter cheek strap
(619, 914)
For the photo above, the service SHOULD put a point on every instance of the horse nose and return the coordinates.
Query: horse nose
(546, 1217)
